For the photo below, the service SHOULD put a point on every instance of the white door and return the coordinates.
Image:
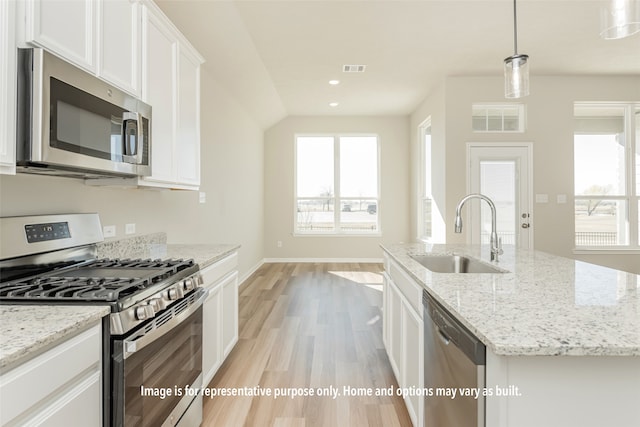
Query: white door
(501, 172)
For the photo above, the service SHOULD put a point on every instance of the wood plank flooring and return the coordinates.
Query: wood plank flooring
(308, 327)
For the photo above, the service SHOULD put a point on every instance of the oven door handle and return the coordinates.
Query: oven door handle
(138, 342)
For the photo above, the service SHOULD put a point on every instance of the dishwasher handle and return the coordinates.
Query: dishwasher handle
(451, 329)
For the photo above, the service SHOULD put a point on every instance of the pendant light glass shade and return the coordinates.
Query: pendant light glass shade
(516, 67)
(516, 76)
(620, 18)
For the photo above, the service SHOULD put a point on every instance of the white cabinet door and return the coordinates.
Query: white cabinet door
(230, 313)
(404, 335)
(7, 88)
(120, 44)
(171, 85)
(212, 354)
(64, 27)
(395, 335)
(412, 354)
(59, 387)
(188, 132)
(160, 48)
(220, 317)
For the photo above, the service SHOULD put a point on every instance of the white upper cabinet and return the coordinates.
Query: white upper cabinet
(119, 61)
(158, 90)
(188, 132)
(7, 88)
(171, 85)
(101, 36)
(66, 28)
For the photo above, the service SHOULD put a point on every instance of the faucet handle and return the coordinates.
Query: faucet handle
(500, 251)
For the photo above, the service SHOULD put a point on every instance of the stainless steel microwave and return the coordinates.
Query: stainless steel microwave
(70, 123)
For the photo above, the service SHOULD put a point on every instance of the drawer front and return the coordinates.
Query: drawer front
(219, 269)
(409, 289)
(50, 374)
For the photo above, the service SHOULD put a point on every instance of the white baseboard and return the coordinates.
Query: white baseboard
(252, 270)
(324, 260)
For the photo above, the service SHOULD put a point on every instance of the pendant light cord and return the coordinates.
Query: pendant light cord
(515, 29)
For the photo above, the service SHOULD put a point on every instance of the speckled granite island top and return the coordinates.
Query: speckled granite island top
(544, 305)
(28, 330)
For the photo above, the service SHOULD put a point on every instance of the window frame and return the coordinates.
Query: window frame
(631, 196)
(522, 114)
(337, 198)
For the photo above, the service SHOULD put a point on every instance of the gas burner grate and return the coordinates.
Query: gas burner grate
(106, 280)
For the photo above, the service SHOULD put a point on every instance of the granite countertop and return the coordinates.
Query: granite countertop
(544, 305)
(28, 330)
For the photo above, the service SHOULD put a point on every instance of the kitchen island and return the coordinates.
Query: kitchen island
(562, 335)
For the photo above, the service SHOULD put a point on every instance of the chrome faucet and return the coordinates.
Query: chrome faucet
(496, 244)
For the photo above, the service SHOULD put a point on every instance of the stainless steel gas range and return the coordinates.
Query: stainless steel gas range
(152, 340)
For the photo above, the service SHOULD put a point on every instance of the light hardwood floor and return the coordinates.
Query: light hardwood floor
(308, 327)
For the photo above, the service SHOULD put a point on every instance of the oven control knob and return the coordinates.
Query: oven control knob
(189, 284)
(175, 293)
(145, 312)
(157, 304)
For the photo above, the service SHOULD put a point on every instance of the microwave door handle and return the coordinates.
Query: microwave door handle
(139, 138)
(132, 155)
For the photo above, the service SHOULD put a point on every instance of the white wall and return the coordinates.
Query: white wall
(550, 129)
(232, 165)
(279, 188)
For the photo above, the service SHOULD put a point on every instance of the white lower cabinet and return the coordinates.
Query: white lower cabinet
(220, 316)
(60, 385)
(403, 330)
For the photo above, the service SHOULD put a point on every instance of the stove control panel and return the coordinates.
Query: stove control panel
(45, 232)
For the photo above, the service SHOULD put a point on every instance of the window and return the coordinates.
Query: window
(425, 227)
(497, 117)
(337, 185)
(606, 176)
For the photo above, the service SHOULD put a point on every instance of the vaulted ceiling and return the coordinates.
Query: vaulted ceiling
(276, 57)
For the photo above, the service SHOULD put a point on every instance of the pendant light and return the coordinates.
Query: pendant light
(516, 67)
(620, 18)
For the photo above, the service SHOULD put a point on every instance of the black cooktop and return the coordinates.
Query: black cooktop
(103, 280)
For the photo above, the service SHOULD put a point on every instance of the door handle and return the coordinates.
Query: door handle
(525, 225)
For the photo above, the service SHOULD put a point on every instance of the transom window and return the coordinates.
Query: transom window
(497, 117)
(607, 176)
(337, 184)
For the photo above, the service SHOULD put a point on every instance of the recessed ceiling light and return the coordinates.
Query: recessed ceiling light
(334, 82)
(333, 104)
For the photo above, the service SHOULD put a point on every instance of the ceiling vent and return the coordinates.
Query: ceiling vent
(353, 68)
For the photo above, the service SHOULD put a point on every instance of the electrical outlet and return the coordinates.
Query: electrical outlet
(109, 231)
(130, 229)
(202, 197)
(279, 243)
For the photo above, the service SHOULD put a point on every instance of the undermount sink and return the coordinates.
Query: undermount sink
(454, 264)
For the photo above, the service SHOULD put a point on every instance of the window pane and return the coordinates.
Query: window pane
(599, 151)
(498, 182)
(601, 222)
(359, 215)
(315, 215)
(314, 158)
(358, 166)
(427, 215)
(427, 162)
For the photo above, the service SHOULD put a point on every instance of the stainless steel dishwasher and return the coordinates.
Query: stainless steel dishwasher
(454, 362)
